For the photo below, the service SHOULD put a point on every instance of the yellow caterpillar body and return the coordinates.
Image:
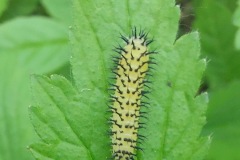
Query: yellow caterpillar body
(131, 70)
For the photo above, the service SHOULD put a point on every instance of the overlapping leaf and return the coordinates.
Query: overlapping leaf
(18, 8)
(176, 114)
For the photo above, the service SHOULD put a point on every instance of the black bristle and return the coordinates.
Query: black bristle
(145, 103)
(117, 51)
(134, 32)
(143, 54)
(149, 42)
(145, 92)
(144, 95)
(116, 73)
(143, 72)
(138, 148)
(141, 34)
(120, 48)
(151, 68)
(151, 52)
(149, 74)
(152, 62)
(124, 39)
(134, 47)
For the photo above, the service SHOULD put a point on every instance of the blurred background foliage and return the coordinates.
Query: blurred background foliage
(218, 23)
(34, 39)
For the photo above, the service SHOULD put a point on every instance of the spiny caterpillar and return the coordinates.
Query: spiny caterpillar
(130, 74)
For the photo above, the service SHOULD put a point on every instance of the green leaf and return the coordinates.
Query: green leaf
(63, 114)
(55, 117)
(25, 48)
(176, 117)
(217, 37)
(236, 22)
(223, 122)
(3, 6)
(164, 28)
(59, 9)
(36, 40)
(19, 8)
(15, 129)
(217, 40)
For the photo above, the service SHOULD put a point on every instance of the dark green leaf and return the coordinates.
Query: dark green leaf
(3, 6)
(217, 39)
(223, 122)
(19, 8)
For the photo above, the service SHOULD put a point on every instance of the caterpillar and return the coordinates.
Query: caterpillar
(132, 66)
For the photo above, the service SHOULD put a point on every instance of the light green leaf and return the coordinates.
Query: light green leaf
(223, 122)
(25, 48)
(176, 115)
(35, 40)
(3, 6)
(236, 22)
(217, 40)
(57, 124)
(15, 129)
(59, 9)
